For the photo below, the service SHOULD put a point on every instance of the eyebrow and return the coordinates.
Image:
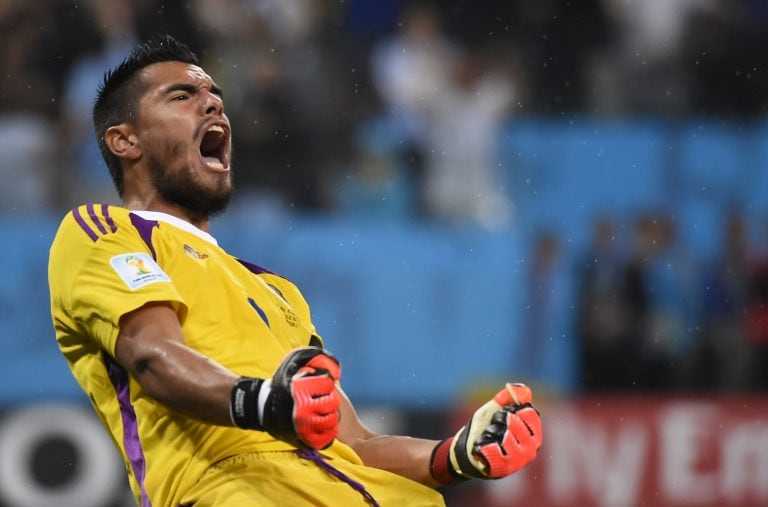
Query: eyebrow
(190, 88)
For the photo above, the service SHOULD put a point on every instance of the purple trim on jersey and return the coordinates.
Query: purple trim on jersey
(131, 443)
(110, 222)
(257, 270)
(259, 311)
(313, 455)
(84, 226)
(95, 219)
(253, 268)
(145, 231)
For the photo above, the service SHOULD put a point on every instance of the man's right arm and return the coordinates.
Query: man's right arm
(151, 347)
(299, 404)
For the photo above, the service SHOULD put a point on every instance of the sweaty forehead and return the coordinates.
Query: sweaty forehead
(163, 73)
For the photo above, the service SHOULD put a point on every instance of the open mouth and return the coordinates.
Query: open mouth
(213, 148)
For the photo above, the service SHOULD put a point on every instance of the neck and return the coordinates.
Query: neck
(138, 204)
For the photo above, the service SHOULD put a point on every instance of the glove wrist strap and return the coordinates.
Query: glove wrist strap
(440, 463)
(245, 403)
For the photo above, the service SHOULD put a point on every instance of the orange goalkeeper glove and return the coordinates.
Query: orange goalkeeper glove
(299, 404)
(500, 438)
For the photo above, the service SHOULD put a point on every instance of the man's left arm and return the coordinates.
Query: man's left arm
(501, 437)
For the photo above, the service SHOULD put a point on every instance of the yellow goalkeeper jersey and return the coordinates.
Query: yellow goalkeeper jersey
(106, 261)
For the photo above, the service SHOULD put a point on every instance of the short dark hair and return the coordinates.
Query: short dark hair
(121, 90)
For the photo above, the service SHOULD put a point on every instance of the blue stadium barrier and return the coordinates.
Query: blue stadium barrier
(417, 312)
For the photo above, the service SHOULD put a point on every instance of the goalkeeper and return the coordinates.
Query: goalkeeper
(205, 369)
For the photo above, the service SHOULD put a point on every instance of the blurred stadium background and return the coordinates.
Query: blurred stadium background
(573, 194)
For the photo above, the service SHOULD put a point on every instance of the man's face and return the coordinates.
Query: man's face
(185, 137)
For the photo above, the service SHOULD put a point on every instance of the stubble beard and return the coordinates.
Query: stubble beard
(183, 190)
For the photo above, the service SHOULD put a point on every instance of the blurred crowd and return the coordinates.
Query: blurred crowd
(644, 312)
(652, 315)
(391, 110)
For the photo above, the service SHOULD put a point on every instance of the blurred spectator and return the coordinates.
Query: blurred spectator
(378, 185)
(723, 358)
(461, 185)
(24, 84)
(756, 315)
(89, 178)
(610, 312)
(725, 48)
(450, 103)
(559, 41)
(367, 22)
(545, 337)
(40, 41)
(643, 71)
(173, 17)
(34, 50)
(26, 145)
(637, 315)
(412, 67)
(669, 280)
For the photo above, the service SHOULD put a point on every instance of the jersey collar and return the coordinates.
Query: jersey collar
(176, 222)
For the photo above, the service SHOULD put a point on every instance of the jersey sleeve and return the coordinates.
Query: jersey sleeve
(100, 268)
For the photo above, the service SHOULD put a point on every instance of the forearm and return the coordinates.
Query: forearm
(402, 455)
(501, 437)
(188, 382)
(151, 347)
(406, 456)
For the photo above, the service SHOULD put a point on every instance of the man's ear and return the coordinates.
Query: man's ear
(123, 142)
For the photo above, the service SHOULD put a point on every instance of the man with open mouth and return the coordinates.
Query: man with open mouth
(206, 369)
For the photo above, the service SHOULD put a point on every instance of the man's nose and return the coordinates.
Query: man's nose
(213, 105)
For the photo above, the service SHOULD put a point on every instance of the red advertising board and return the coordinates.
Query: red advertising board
(649, 451)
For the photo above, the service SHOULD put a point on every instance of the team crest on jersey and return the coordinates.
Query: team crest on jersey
(138, 270)
(291, 318)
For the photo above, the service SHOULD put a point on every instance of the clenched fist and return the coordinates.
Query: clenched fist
(501, 437)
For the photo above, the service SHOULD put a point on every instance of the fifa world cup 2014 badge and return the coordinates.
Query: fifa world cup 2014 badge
(138, 269)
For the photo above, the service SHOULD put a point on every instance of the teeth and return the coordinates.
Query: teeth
(213, 163)
(216, 128)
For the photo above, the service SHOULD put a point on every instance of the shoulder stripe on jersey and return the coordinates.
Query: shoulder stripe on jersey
(83, 225)
(95, 219)
(110, 222)
(95, 216)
